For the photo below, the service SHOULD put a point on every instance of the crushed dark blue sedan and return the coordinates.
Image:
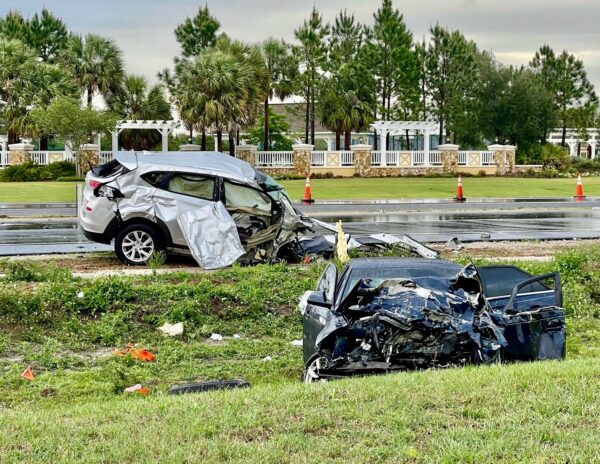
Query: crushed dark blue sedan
(383, 315)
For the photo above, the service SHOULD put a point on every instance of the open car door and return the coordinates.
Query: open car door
(529, 309)
(318, 310)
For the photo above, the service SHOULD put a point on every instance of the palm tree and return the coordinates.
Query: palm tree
(25, 83)
(96, 64)
(137, 100)
(282, 69)
(222, 88)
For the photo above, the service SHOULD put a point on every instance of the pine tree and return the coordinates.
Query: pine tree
(311, 54)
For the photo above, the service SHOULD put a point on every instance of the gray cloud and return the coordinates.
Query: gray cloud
(513, 29)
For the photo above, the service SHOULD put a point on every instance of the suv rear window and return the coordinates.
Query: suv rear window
(110, 169)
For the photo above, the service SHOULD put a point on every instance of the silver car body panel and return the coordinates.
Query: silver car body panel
(211, 235)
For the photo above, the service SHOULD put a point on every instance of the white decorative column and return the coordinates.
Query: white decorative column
(426, 145)
(165, 139)
(115, 141)
(572, 147)
(383, 144)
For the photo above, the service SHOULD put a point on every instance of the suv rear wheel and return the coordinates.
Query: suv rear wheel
(136, 243)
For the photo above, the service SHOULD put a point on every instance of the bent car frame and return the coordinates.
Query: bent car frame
(382, 315)
(215, 206)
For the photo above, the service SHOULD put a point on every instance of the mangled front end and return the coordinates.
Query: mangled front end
(399, 325)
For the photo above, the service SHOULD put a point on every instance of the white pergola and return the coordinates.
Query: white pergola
(572, 139)
(164, 127)
(384, 128)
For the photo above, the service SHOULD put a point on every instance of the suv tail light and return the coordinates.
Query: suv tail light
(94, 184)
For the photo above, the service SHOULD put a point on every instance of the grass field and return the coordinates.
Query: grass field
(75, 411)
(354, 188)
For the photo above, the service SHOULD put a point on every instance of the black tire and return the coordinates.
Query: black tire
(136, 243)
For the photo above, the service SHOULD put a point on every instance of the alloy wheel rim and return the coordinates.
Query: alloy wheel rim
(137, 246)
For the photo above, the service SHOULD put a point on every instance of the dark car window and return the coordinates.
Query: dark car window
(193, 185)
(155, 178)
(501, 280)
(110, 169)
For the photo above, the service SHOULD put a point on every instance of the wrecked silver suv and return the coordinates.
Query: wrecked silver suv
(217, 207)
(389, 314)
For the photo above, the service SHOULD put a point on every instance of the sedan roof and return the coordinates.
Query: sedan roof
(201, 162)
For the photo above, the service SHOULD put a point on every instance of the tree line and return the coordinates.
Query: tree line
(348, 75)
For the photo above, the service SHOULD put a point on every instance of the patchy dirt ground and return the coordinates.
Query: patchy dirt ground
(100, 262)
(530, 250)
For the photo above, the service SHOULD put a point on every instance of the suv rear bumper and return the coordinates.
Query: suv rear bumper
(96, 237)
(101, 237)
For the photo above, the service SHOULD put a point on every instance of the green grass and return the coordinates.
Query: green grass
(415, 187)
(539, 412)
(75, 411)
(354, 188)
(37, 192)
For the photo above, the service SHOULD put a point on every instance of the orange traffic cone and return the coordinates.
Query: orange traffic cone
(28, 374)
(307, 200)
(459, 190)
(579, 196)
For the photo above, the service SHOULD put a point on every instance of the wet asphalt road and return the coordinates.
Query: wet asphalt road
(430, 221)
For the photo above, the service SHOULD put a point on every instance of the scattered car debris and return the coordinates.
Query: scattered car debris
(139, 354)
(236, 336)
(296, 342)
(216, 337)
(80, 294)
(198, 387)
(137, 388)
(27, 374)
(267, 358)
(454, 244)
(388, 314)
(171, 330)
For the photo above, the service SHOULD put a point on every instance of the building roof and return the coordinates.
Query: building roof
(294, 114)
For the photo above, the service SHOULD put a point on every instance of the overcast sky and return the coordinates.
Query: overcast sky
(513, 29)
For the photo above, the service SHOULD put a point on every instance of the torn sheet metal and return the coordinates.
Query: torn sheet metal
(211, 235)
(324, 245)
(410, 313)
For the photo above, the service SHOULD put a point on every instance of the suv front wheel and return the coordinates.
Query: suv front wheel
(136, 243)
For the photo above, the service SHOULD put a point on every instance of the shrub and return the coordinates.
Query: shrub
(59, 169)
(31, 171)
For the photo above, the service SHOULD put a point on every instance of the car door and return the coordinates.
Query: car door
(256, 214)
(530, 311)
(178, 193)
(319, 310)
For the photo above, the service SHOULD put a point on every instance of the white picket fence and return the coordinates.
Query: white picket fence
(39, 157)
(463, 157)
(106, 156)
(486, 158)
(318, 158)
(435, 158)
(275, 158)
(3, 159)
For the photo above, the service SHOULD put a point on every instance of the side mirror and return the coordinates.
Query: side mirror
(319, 299)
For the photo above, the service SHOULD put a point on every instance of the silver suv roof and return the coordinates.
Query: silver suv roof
(201, 162)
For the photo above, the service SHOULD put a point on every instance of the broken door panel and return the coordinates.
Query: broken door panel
(182, 194)
(211, 235)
